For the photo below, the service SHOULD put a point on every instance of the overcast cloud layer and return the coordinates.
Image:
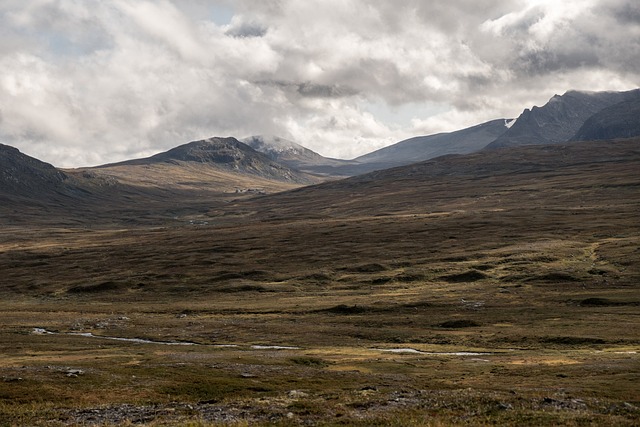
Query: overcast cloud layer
(85, 82)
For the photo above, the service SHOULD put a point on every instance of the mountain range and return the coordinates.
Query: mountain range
(575, 116)
(218, 170)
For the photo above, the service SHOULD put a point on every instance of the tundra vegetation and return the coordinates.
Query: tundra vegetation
(496, 288)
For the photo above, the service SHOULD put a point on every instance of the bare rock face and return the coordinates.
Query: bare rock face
(621, 120)
(560, 118)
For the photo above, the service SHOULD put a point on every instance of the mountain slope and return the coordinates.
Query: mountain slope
(427, 147)
(34, 190)
(225, 154)
(560, 118)
(483, 180)
(21, 175)
(621, 120)
(298, 157)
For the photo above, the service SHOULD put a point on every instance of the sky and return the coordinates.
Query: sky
(88, 82)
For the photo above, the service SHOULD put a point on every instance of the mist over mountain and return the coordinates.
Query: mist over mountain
(298, 157)
(281, 149)
(560, 118)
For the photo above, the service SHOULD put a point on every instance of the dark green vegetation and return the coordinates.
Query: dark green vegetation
(493, 288)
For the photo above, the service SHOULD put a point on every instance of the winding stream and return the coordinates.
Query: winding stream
(432, 353)
(42, 331)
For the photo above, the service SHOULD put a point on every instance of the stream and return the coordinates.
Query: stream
(42, 331)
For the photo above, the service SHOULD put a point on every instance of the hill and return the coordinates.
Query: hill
(477, 179)
(25, 176)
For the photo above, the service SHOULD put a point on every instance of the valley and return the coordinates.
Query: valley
(498, 287)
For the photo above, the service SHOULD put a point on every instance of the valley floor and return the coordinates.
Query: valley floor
(531, 332)
(510, 302)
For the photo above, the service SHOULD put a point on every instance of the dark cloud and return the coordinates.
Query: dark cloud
(311, 90)
(625, 11)
(247, 29)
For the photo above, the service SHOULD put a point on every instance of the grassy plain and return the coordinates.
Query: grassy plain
(470, 291)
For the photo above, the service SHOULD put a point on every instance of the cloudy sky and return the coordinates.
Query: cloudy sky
(85, 82)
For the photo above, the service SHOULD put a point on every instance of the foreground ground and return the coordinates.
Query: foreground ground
(459, 301)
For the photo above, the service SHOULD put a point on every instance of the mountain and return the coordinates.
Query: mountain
(24, 175)
(298, 157)
(180, 183)
(560, 118)
(282, 150)
(226, 154)
(427, 147)
(621, 120)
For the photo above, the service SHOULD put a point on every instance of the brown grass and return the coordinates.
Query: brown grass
(535, 272)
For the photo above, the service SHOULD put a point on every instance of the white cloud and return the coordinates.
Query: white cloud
(89, 81)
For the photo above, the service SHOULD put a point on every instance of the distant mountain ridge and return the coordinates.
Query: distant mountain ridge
(427, 147)
(559, 119)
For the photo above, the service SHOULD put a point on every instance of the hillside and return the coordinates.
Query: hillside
(427, 147)
(25, 176)
(456, 181)
(224, 154)
(30, 188)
